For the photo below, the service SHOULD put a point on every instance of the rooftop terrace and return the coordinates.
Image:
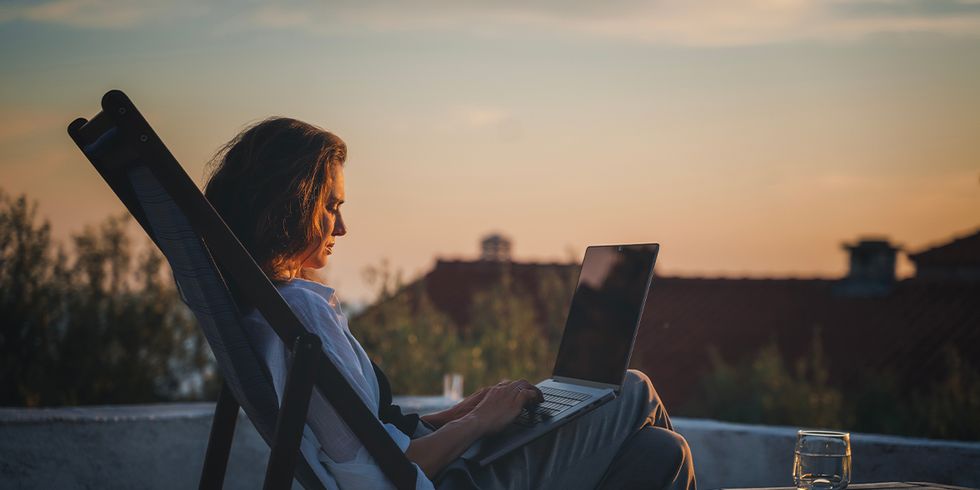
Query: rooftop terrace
(162, 446)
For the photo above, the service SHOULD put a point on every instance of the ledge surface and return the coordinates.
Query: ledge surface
(162, 446)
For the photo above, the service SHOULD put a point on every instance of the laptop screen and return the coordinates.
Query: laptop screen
(605, 312)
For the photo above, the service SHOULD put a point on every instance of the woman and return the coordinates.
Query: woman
(280, 186)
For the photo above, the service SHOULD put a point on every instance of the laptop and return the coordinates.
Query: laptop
(595, 347)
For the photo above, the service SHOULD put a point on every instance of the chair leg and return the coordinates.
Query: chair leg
(219, 443)
(292, 413)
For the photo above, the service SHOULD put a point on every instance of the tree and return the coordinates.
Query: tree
(764, 390)
(416, 344)
(405, 334)
(506, 342)
(30, 302)
(951, 409)
(555, 289)
(94, 325)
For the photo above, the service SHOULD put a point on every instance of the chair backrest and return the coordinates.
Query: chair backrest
(153, 186)
(205, 292)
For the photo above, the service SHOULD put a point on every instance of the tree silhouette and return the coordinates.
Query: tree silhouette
(92, 324)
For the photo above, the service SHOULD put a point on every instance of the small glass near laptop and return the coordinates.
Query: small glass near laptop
(822, 460)
(452, 386)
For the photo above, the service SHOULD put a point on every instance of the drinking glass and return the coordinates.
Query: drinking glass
(822, 460)
(452, 386)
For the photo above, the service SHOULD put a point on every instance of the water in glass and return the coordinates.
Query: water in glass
(822, 460)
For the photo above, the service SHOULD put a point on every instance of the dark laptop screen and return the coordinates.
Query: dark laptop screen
(605, 312)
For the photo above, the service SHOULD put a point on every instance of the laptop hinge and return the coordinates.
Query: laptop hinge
(585, 382)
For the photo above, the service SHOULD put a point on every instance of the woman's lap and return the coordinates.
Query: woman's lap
(576, 455)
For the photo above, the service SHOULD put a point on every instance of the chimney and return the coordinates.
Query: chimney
(872, 268)
(495, 248)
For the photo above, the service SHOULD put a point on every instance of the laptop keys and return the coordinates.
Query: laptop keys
(555, 402)
(555, 393)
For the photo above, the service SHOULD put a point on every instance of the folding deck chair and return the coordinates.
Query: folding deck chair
(206, 257)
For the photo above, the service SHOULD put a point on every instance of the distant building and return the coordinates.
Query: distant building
(495, 248)
(871, 269)
(956, 261)
(866, 320)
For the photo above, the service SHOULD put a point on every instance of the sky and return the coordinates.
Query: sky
(748, 137)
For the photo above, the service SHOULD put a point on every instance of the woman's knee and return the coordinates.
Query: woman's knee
(639, 383)
(678, 444)
(638, 380)
(674, 449)
(654, 457)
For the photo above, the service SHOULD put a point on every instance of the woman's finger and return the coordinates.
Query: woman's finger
(525, 384)
(530, 396)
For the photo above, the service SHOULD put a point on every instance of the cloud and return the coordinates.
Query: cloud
(909, 8)
(99, 14)
(479, 117)
(677, 22)
(689, 22)
(485, 119)
(278, 17)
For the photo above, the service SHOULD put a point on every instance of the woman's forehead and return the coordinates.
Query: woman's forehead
(337, 192)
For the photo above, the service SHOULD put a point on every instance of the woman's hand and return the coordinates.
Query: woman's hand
(461, 409)
(466, 405)
(489, 410)
(502, 403)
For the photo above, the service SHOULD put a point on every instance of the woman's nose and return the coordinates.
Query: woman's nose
(340, 228)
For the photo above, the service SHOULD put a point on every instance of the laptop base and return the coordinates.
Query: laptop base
(491, 448)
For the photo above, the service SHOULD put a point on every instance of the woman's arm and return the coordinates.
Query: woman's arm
(433, 452)
(499, 406)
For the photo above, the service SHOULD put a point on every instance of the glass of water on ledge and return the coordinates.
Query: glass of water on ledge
(822, 460)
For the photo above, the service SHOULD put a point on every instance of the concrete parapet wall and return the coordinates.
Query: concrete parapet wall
(741, 455)
(131, 447)
(162, 446)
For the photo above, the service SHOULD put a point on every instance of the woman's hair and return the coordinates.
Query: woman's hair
(270, 184)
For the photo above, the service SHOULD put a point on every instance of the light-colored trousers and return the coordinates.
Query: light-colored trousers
(625, 443)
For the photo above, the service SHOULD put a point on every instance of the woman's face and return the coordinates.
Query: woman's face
(333, 225)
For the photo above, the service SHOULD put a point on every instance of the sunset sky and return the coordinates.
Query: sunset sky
(747, 137)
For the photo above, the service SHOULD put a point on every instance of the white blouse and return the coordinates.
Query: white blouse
(326, 437)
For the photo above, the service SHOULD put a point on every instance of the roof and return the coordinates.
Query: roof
(877, 244)
(962, 251)
(904, 331)
(452, 285)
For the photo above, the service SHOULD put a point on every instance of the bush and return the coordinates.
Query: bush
(508, 337)
(406, 336)
(93, 324)
(762, 389)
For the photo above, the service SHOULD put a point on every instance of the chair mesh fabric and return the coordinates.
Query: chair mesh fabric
(204, 291)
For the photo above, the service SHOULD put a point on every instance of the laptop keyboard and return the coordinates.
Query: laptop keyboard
(555, 402)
